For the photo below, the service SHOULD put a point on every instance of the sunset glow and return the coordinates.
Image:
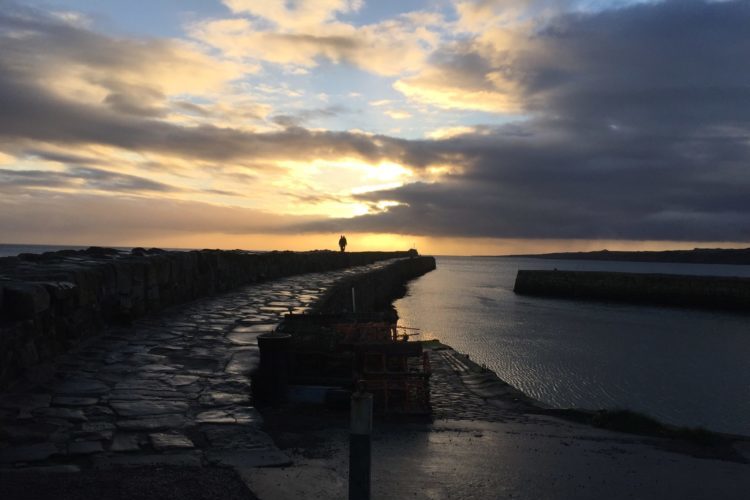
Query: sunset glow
(456, 126)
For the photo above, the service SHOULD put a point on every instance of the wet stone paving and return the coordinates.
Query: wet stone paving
(449, 397)
(452, 399)
(172, 389)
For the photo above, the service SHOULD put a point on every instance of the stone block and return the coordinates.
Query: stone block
(126, 442)
(29, 453)
(153, 423)
(85, 447)
(144, 408)
(24, 300)
(60, 290)
(183, 459)
(170, 441)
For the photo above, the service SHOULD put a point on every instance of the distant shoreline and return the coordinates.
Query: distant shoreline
(730, 256)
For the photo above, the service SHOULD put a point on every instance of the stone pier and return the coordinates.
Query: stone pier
(171, 389)
(50, 302)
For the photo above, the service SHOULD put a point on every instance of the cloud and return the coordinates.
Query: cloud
(476, 16)
(138, 78)
(105, 218)
(301, 117)
(480, 73)
(390, 47)
(77, 177)
(297, 14)
(449, 132)
(82, 65)
(635, 126)
(32, 112)
(398, 114)
(638, 128)
(120, 99)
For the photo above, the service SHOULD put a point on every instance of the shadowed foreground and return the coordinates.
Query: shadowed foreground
(186, 483)
(489, 442)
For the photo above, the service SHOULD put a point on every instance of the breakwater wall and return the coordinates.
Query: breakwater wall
(375, 291)
(50, 301)
(712, 292)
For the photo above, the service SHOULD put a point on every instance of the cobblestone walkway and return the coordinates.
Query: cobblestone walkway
(172, 389)
(449, 396)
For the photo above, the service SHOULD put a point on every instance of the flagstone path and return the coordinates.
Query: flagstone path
(173, 389)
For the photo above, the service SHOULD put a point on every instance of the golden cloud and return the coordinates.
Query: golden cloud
(397, 114)
(432, 87)
(449, 132)
(388, 48)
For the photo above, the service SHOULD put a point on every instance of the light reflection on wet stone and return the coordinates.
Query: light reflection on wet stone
(141, 394)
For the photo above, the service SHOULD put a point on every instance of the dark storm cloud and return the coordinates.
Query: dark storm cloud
(113, 181)
(78, 177)
(639, 129)
(60, 157)
(138, 101)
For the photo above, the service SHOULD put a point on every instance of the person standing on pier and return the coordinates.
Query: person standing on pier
(342, 242)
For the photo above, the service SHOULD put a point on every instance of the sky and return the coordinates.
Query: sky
(471, 127)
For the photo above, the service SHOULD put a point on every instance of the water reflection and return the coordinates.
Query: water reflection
(683, 366)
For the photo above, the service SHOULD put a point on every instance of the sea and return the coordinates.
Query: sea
(682, 366)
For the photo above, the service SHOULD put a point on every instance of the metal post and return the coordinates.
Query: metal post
(354, 301)
(359, 446)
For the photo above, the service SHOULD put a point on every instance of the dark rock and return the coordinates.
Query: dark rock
(25, 402)
(215, 417)
(147, 407)
(244, 362)
(74, 401)
(30, 453)
(153, 423)
(242, 459)
(24, 300)
(184, 459)
(77, 386)
(168, 441)
(26, 432)
(68, 414)
(85, 447)
(125, 442)
(97, 427)
(224, 399)
(98, 412)
(60, 290)
(101, 252)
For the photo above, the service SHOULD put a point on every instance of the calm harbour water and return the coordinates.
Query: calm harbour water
(681, 366)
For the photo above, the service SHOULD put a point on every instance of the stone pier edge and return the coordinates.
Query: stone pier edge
(50, 302)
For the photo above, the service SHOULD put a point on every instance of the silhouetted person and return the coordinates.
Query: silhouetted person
(342, 242)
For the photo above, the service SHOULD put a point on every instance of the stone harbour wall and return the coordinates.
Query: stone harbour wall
(50, 301)
(713, 292)
(375, 291)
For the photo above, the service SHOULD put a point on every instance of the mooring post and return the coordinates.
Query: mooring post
(359, 445)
